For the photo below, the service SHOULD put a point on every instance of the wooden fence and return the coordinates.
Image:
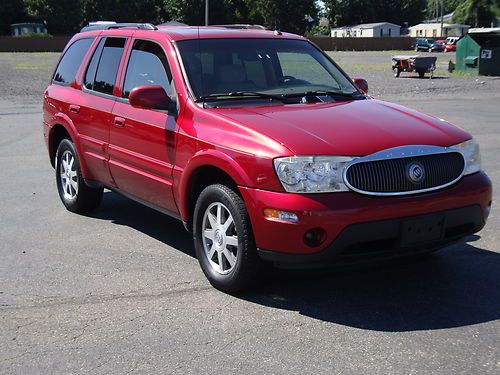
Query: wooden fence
(57, 43)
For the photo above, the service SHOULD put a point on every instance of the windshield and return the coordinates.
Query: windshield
(267, 66)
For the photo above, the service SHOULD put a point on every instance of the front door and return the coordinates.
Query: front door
(141, 143)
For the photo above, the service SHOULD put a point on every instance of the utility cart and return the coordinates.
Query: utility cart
(418, 64)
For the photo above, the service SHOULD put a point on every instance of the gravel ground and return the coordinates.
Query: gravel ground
(28, 75)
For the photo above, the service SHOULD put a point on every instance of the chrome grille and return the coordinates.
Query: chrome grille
(393, 175)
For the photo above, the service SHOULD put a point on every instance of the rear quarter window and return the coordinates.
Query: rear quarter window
(71, 60)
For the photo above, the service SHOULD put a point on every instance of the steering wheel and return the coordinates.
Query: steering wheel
(291, 80)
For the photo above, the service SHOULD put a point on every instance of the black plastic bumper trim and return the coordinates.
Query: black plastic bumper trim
(378, 239)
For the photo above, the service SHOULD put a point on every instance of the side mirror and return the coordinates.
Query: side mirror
(361, 84)
(150, 97)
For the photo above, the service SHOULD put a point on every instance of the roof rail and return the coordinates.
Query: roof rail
(106, 26)
(242, 26)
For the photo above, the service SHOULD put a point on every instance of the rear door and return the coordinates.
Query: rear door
(141, 146)
(94, 112)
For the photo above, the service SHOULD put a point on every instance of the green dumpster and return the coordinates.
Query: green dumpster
(479, 52)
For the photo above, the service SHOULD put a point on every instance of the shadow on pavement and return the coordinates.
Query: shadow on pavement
(458, 286)
(123, 211)
(426, 77)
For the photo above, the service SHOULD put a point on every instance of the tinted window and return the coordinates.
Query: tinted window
(70, 62)
(107, 66)
(301, 64)
(147, 66)
(88, 81)
(270, 66)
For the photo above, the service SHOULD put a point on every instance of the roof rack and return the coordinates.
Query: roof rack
(107, 25)
(243, 26)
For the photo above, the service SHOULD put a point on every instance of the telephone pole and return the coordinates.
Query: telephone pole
(442, 18)
(206, 12)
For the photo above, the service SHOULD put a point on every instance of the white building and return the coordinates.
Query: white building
(367, 30)
(433, 30)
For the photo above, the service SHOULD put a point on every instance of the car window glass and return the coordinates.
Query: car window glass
(108, 65)
(270, 66)
(147, 66)
(300, 64)
(70, 62)
(88, 81)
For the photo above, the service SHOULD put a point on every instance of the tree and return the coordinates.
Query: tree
(286, 15)
(434, 7)
(123, 10)
(192, 12)
(477, 13)
(11, 11)
(61, 17)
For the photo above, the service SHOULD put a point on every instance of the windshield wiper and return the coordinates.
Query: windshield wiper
(324, 92)
(239, 95)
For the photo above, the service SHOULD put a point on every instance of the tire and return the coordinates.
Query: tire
(421, 74)
(397, 72)
(74, 193)
(227, 254)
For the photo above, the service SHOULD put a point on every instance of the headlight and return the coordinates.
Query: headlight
(470, 150)
(312, 174)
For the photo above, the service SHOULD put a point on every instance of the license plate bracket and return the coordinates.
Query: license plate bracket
(422, 230)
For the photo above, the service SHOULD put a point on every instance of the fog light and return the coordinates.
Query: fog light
(314, 237)
(274, 214)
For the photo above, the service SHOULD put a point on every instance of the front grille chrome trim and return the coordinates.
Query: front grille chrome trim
(403, 152)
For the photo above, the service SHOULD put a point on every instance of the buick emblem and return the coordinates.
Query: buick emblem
(416, 172)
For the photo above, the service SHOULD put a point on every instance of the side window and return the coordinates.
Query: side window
(147, 66)
(103, 67)
(88, 81)
(70, 62)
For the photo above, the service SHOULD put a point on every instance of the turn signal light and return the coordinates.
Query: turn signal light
(274, 214)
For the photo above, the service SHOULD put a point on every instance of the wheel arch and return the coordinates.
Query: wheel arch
(57, 133)
(203, 170)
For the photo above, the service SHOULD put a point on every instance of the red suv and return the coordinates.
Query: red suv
(262, 146)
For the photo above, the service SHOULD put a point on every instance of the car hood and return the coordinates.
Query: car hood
(356, 128)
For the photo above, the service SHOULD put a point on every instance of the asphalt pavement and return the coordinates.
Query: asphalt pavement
(120, 291)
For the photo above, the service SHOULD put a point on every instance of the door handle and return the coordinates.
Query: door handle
(74, 108)
(119, 122)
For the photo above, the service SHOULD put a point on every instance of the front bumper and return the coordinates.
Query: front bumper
(353, 221)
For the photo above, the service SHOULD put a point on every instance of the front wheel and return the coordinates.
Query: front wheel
(397, 72)
(223, 239)
(75, 195)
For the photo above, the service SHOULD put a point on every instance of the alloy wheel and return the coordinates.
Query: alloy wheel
(220, 240)
(68, 175)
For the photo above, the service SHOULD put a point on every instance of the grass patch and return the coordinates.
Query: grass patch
(463, 74)
(35, 65)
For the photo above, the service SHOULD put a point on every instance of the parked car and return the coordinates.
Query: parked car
(450, 44)
(263, 146)
(426, 44)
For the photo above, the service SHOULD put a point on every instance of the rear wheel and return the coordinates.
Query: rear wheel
(75, 195)
(421, 74)
(397, 72)
(224, 241)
